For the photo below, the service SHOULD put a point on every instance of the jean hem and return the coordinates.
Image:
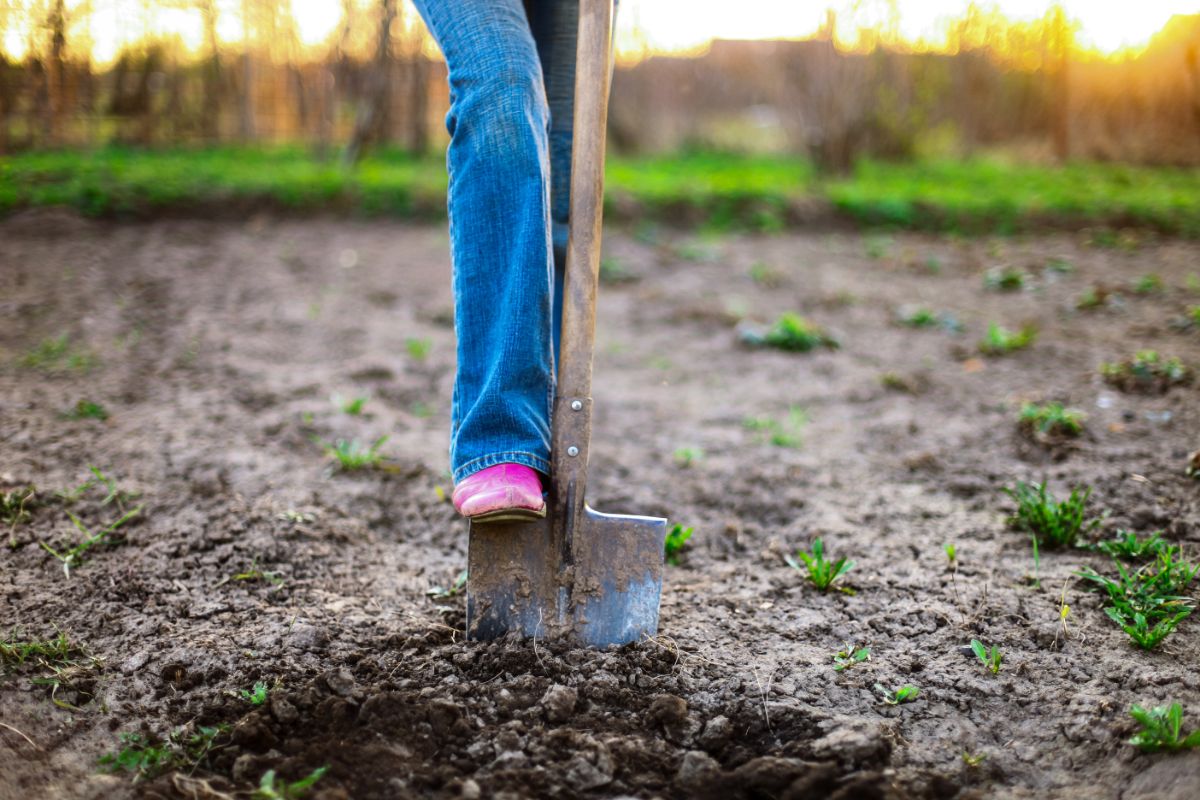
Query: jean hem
(509, 457)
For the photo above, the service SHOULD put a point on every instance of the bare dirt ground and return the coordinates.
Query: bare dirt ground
(215, 349)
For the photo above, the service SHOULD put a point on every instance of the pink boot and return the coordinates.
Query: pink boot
(500, 493)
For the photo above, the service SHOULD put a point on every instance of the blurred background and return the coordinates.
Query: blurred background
(738, 109)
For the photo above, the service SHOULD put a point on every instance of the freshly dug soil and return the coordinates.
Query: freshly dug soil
(214, 348)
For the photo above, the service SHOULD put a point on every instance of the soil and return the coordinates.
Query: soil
(215, 348)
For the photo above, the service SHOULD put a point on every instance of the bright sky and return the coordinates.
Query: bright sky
(655, 25)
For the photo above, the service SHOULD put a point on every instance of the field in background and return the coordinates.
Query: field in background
(716, 190)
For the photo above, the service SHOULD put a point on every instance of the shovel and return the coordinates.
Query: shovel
(593, 579)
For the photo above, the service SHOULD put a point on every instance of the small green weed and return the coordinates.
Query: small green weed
(1051, 523)
(1128, 547)
(786, 433)
(1000, 341)
(73, 557)
(1005, 279)
(272, 787)
(991, 658)
(1050, 419)
(1060, 266)
(1148, 284)
(951, 551)
(923, 317)
(14, 653)
(350, 405)
(56, 354)
(147, 759)
(819, 571)
(1193, 313)
(1148, 603)
(676, 539)
(254, 573)
(112, 492)
(354, 454)
(1147, 371)
(257, 695)
(88, 409)
(687, 456)
(418, 348)
(792, 333)
(849, 657)
(453, 590)
(973, 760)
(16, 507)
(905, 694)
(1162, 729)
(1093, 297)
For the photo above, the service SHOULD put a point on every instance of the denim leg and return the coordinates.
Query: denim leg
(555, 26)
(500, 246)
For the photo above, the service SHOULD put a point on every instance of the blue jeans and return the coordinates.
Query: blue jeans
(511, 66)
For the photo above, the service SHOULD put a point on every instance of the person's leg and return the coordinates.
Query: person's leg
(555, 26)
(499, 209)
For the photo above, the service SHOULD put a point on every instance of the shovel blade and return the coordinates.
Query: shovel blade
(595, 582)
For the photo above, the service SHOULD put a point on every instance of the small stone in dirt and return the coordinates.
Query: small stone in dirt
(717, 732)
(768, 775)
(340, 682)
(1175, 778)
(469, 790)
(671, 713)
(443, 714)
(510, 759)
(853, 743)
(696, 769)
(583, 774)
(559, 703)
(283, 710)
(307, 637)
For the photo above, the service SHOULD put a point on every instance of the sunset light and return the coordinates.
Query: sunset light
(645, 27)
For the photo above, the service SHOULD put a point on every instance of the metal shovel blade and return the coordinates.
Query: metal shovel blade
(595, 582)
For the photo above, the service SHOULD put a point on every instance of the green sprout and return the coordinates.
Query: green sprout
(1001, 341)
(1092, 297)
(792, 333)
(786, 433)
(1127, 546)
(57, 354)
(87, 409)
(991, 658)
(418, 348)
(1060, 266)
(673, 546)
(849, 657)
(1005, 279)
(454, 589)
(686, 456)
(256, 696)
(820, 572)
(73, 557)
(272, 787)
(1148, 284)
(1193, 313)
(973, 760)
(1147, 371)
(1162, 729)
(1051, 523)
(766, 275)
(1148, 603)
(951, 553)
(353, 454)
(919, 318)
(1051, 419)
(352, 405)
(877, 246)
(148, 759)
(905, 694)
(16, 508)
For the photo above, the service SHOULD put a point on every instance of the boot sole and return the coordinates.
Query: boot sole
(510, 515)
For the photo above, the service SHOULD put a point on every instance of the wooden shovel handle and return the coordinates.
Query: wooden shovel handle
(573, 406)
